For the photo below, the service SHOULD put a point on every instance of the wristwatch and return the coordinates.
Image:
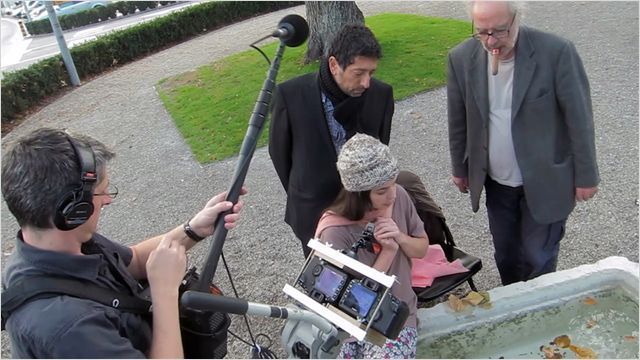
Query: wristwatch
(190, 233)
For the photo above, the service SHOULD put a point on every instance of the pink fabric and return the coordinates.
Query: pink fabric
(433, 265)
(423, 271)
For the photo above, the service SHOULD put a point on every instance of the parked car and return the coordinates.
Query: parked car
(72, 7)
(36, 9)
(16, 13)
(15, 10)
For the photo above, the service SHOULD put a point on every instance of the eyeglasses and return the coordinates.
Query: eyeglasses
(496, 33)
(112, 191)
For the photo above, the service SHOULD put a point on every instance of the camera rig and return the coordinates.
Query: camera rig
(351, 295)
(339, 291)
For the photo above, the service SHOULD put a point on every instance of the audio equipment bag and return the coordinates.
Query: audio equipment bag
(209, 343)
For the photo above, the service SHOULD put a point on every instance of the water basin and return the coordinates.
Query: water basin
(595, 305)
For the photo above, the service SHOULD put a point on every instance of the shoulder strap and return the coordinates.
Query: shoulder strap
(41, 287)
(447, 232)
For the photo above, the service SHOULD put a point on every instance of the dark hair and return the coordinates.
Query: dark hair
(351, 41)
(352, 205)
(40, 168)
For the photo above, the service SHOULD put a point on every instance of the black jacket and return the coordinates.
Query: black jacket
(302, 150)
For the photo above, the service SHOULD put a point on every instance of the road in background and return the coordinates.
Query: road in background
(13, 45)
(19, 52)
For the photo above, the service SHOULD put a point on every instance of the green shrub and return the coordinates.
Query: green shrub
(130, 6)
(122, 7)
(106, 12)
(39, 27)
(25, 88)
(144, 5)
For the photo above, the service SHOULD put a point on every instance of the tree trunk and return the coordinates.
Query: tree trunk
(325, 19)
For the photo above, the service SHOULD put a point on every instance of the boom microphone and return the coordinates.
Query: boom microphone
(292, 29)
(207, 302)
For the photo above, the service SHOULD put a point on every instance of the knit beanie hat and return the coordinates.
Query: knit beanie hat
(365, 163)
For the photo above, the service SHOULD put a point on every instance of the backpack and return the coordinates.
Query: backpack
(429, 212)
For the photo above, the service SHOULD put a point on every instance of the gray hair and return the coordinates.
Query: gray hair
(515, 7)
(39, 168)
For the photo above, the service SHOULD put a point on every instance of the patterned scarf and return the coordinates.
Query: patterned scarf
(347, 109)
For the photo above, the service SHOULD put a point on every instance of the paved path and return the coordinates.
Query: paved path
(161, 184)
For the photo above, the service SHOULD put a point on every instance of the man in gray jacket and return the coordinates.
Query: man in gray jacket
(521, 126)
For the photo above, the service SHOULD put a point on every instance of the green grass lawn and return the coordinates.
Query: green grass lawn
(212, 104)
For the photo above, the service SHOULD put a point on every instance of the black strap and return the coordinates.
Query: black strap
(42, 287)
(447, 232)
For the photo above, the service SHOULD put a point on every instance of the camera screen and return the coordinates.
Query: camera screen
(330, 283)
(360, 299)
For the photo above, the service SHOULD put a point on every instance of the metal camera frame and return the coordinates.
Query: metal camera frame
(333, 314)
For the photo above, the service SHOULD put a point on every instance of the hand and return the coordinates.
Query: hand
(462, 183)
(203, 223)
(584, 194)
(387, 228)
(388, 244)
(386, 232)
(166, 267)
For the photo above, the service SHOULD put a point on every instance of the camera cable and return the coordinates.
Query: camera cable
(257, 351)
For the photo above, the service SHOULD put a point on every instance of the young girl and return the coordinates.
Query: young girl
(368, 173)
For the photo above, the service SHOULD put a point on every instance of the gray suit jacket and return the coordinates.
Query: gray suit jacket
(552, 121)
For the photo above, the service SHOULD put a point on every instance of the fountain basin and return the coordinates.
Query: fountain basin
(595, 305)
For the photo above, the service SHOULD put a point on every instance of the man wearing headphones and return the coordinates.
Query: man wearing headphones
(56, 185)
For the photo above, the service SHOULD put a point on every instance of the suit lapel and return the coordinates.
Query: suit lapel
(524, 69)
(478, 81)
(319, 117)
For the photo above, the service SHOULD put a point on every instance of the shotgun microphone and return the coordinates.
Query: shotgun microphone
(293, 30)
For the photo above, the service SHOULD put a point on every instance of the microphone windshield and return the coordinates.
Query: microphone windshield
(300, 29)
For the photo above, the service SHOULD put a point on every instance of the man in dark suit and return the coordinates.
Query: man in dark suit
(313, 115)
(521, 126)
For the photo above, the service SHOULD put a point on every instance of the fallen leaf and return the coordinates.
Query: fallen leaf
(589, 301)
(548, 352)
(562, 341)
(456, 304)
(583, 352)
(591, 323)
(474, 298)
(630, 338)
(486, 302)
(551, 353)
(485, 295)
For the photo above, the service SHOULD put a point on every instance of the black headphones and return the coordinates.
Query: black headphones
(76, 206)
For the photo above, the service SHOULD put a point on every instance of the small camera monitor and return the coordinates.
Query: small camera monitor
(358, 300)
(330, 283)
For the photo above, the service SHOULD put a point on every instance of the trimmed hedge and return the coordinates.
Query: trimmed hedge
(92, 16)
(25, 88)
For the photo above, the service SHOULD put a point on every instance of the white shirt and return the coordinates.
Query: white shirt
(503, 165)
